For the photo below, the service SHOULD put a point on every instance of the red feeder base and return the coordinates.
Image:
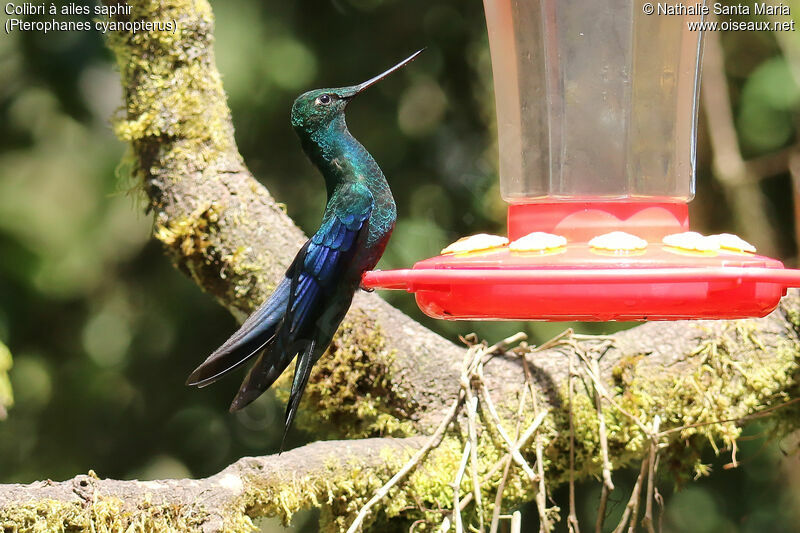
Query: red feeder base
(578, 282)
(490, 286)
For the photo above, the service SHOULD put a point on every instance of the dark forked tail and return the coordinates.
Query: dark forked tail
(258, 331)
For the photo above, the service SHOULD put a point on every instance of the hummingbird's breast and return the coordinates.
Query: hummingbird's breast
(360, 165)
(382, 219)
(342, 159)
(384, 212)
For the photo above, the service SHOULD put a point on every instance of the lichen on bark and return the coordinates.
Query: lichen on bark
(351, 392)
(184, 154)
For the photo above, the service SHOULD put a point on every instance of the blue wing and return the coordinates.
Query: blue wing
(254, 334)
(312, 312)
(280, 326)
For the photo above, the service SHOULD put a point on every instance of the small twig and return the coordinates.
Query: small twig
(434, 441)
(470, 339)
(498, 499)
(764, 447)
(472, 406)
(473, 364)
(608, 485)
(601, 509)
(523, 440)
(505, 343)
(496, 419)
(758, 414)
(648, 509)
(414, 525)
(660, 501)
(555, 341)
(519, 445)
(421, 507)
(632, 508)
(603, 436)
(501, 347)
(457, 488)
(734, 449)
(541, 494)
(604, 392)
(572, 519)
(516, 522)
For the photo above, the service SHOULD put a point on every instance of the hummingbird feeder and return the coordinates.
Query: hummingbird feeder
(597, 115)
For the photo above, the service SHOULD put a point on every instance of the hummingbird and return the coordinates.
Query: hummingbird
(306, 308)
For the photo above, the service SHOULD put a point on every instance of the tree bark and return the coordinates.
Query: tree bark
(387, 381)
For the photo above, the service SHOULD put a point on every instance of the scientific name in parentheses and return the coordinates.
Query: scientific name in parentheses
(757, 8)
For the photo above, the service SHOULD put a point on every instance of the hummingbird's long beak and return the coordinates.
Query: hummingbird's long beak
(372, 81)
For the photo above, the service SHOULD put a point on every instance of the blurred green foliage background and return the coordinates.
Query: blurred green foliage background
(103, 331)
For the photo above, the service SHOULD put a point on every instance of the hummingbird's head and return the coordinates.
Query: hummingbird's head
(314, 110)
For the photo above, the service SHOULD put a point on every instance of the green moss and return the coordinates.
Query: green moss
(173, 91)
(175, 113)
(109, 515)
(427, 494)
(190, 239)
(623, 372)
(726, 384)
(342, 488)
(793, 315)
(191, 234)
(178, 123)
(723, 383)
(351, 391)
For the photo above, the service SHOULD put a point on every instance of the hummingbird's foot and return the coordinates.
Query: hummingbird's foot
(366, 289)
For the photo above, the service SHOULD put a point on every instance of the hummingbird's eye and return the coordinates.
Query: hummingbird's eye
(324, 99)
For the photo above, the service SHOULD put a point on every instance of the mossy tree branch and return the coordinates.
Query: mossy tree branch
(386, 375)
(321, 472)
(689, 374)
